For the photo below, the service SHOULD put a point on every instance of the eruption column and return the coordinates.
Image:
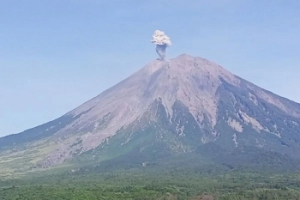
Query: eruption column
(162, 41)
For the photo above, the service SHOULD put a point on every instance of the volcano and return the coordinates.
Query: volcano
(187, 109)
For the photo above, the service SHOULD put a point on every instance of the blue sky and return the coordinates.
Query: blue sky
(55, 55)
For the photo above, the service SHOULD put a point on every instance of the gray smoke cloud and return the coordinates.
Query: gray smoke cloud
(162, 41)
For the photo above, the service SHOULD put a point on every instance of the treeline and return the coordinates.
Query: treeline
(158, 186)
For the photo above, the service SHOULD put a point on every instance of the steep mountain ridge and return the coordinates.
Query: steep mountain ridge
(177, 106)
(170, 81)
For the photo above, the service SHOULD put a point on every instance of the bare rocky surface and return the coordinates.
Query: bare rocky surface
(189, 99)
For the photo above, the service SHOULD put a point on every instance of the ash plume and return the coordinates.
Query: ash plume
(162, 41)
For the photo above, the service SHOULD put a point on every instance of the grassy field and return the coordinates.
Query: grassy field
(16, 163)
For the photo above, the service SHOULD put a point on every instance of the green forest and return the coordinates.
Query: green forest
(145, 185)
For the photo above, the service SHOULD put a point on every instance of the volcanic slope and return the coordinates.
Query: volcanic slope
(185, 107)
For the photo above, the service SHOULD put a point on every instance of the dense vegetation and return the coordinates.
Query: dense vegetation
(145, 185)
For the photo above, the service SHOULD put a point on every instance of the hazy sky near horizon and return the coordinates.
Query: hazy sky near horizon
(55, 55)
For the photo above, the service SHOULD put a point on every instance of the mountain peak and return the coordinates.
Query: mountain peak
(192, 81)
(184, 102)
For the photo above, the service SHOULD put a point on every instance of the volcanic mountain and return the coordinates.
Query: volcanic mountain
(169, 110)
